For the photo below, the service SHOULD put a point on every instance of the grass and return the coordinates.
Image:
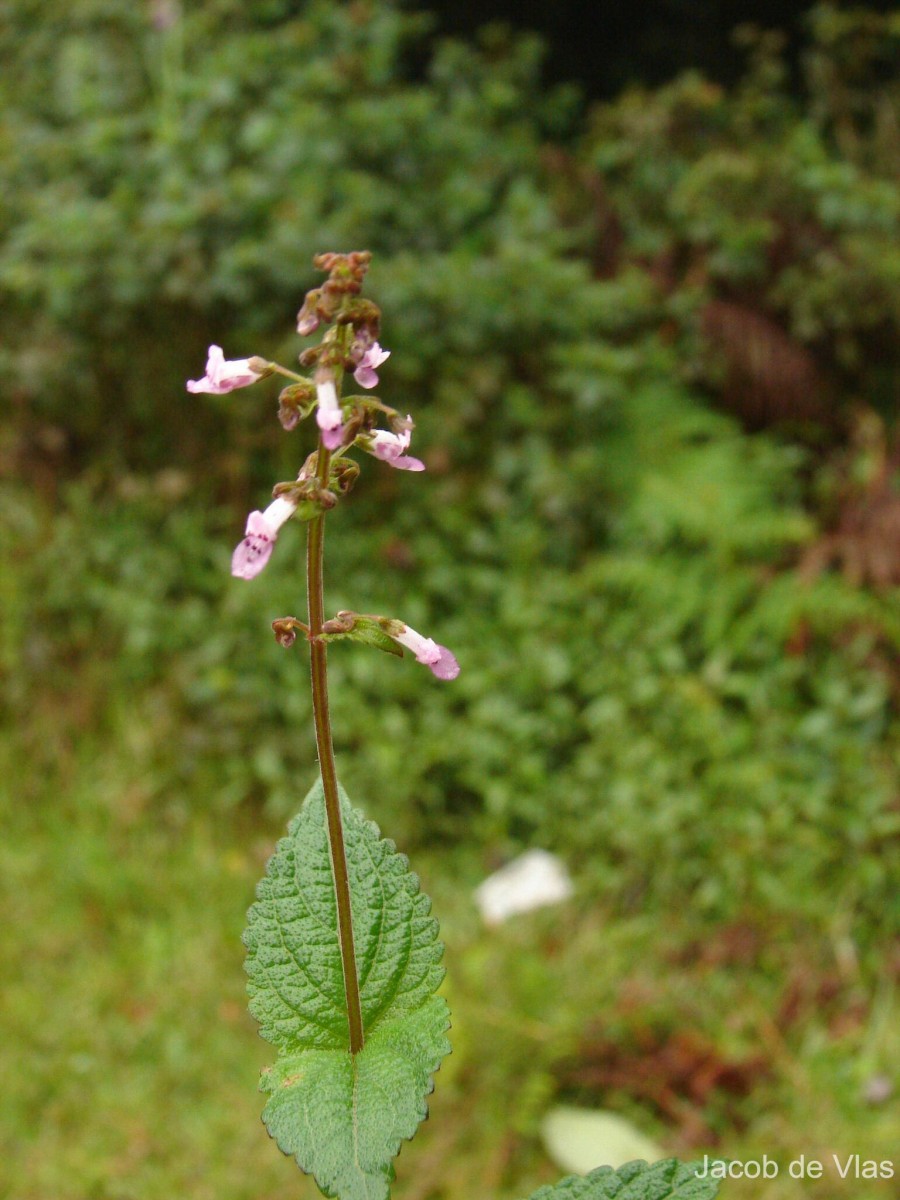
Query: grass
(129, 1063)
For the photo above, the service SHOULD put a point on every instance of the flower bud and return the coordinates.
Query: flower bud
(285, 630)
(294, 403)
(308, 316)
(342, 623)
(344, 473)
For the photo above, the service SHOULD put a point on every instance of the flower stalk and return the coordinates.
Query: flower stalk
(349, 344)
(315, 545)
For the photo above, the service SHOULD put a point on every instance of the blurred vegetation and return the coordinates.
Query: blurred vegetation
(653, 358)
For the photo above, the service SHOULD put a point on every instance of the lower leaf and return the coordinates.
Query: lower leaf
(667, 1179)
(343, 1117)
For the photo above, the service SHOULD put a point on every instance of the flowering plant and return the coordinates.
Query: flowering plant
(343, 956)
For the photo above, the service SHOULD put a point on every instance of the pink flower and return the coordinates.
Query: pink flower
(307, 323)
(328, 414)
(223, 375)
(332, 438)
(365, 369)
(442, 663)
(389, 447)
(255, 550)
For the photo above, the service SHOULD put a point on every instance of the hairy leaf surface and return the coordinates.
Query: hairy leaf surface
(343, 1117)
(667, 1179)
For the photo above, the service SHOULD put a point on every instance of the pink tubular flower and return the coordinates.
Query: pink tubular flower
(328, 414)
(389, 447)
(365, 369)
(442, 663)
(223, 375)
(252, 554)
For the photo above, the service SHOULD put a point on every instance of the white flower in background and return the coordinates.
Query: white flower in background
(533, 880)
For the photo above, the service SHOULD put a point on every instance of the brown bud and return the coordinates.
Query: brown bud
(288, 415)
(295, 402)
(344, 473)
(310, 467)
(342, 623)
(365, 317)
(285, 630)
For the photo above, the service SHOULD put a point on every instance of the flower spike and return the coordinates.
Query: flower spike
(224, 375)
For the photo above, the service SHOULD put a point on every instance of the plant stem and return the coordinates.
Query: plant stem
(316, 599)
(280, 370)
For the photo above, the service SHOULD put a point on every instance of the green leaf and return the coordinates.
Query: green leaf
(307, 510)
(341, 1116)
(368, 632)
(665, 1180)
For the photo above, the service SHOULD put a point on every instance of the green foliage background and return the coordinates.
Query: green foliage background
(650, 685)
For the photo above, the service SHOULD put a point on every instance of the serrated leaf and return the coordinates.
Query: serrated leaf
(667, 1179)
(343, 1117)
